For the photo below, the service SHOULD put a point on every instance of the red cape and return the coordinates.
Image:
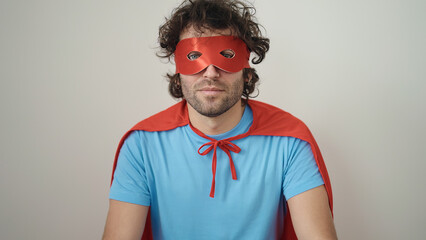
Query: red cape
(267, 120)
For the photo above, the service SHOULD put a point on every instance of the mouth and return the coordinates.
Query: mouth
(211, 90)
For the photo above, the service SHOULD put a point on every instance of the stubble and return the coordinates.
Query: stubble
(212, 106)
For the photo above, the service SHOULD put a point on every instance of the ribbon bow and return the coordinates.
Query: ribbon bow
(227, 147)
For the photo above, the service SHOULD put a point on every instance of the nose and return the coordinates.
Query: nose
(211, 72)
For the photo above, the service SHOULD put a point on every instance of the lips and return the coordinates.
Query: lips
(210, 90)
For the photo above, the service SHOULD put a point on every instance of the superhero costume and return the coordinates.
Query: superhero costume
(267, 120)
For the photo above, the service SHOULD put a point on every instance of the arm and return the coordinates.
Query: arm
(125, 221)
(311, 215)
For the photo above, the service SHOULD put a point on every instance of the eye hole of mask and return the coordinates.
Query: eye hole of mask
(193, 55)
(228, 53)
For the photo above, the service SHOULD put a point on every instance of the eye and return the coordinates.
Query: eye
(228, 53)
(193, 55)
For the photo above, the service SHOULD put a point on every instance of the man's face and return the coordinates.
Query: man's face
(212, 91)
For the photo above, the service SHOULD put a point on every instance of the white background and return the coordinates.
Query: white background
(75, 75)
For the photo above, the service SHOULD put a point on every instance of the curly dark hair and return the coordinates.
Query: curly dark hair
(214, 15)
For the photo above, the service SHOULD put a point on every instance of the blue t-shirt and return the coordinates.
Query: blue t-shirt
(163, 170)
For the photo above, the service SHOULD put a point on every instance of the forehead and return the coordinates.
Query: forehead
(191, 32)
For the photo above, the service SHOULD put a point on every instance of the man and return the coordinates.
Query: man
(216, 165)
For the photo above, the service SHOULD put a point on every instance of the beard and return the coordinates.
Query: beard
(213, 106)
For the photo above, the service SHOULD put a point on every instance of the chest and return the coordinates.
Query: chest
(178, 167)
(180, 181)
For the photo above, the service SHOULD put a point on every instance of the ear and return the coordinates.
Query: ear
(249, 77)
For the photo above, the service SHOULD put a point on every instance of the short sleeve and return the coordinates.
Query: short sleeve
(130, 181)
(300, 169)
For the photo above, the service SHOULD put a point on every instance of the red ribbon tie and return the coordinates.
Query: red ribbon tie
(227, 147)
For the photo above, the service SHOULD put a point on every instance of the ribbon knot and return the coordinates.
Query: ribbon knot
(227, 147)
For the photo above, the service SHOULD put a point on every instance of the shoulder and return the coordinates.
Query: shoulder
(173, 117)
(271, 120)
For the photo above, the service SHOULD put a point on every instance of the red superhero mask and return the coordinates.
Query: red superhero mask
(228, 53)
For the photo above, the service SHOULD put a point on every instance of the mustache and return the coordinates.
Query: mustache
(209, 83)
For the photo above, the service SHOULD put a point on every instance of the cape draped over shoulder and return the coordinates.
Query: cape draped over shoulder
(267, 120)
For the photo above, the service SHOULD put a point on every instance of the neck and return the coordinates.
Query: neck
(219, 124)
